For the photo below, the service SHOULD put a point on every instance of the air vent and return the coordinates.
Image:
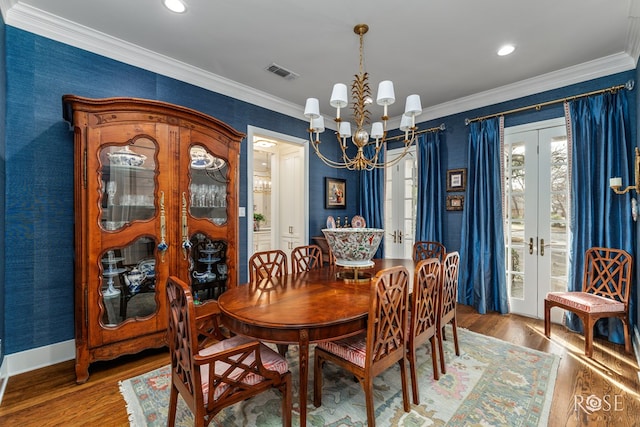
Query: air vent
(282, 72)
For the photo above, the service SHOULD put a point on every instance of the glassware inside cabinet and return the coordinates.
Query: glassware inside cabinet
(128, 184)
(128, 282)
(208, 185)
(207, 267)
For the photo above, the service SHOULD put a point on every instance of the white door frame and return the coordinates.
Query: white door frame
(532, 303)
(251, 132)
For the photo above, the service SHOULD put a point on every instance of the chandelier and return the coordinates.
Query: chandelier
(361, 95)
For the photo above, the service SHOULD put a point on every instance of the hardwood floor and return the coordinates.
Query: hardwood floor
(50, 396)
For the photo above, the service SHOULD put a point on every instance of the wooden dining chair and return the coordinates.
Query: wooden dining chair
(223, 374)
(606, 285)
(424, 315)
(448, 301)
(368, 354)
(425, 250)
(306, 258)
(267, 264)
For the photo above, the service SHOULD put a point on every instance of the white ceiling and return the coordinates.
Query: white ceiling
(443, 50)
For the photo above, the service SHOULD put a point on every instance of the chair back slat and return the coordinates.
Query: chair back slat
(607, 273)
(265, 264)
(425, 298)
(450, 268)
(306, 258)
(182, 334)
(386, 333)
(426, 250)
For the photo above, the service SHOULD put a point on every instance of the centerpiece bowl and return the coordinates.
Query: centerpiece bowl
(353, 247)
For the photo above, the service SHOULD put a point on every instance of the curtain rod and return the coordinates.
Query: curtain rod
(434, 129)
(628, 85)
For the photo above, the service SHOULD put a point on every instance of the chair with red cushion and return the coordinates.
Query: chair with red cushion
(606, 285)
(383, 344)
(425, 312)
(223, 374)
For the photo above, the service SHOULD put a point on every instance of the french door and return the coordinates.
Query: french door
(401, 187)
(536, 200)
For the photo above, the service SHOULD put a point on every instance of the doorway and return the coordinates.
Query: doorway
(536, 200)
(401, 193)
(277, 193)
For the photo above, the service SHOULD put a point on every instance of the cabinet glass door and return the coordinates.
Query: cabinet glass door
(205, 246)
(128, 183)
(128, 282)
(127, 197)
(208, 187)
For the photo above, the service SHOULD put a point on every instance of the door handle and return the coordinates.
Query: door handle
(530, 245)
(399, 236)
(541, 247)
(162, 246)
(395, 236)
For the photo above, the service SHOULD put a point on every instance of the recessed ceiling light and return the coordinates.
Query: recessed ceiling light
(506, 49)
(177, 6)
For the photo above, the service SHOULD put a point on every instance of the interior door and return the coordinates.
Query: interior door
(400, 205)
(536, 214)
(292, 217)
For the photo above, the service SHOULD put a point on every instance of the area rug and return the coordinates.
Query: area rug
(491, 383)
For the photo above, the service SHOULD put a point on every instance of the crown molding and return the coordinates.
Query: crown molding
(568, 76)
(53, 27)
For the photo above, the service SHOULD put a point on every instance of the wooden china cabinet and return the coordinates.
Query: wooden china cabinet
(156, 194)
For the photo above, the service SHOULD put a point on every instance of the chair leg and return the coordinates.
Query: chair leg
(547, 319)
(282, 349)
(443, 368)
(317, 380)
(285, 388)
(411, 355)
(587, 324)
(367, 384)
(405, 386)
(434, 358)
(454, 326)
(173, 403)
(627, 334)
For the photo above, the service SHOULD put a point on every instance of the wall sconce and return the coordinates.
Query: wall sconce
(616, 183)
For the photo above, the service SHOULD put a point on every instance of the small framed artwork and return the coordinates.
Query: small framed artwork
(456, 179)
(335, 193)
(455, 203)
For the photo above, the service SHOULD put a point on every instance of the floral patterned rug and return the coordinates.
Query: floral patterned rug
(491, 383)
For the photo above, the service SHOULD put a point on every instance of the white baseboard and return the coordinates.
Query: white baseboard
(4, 378)
(28, 360)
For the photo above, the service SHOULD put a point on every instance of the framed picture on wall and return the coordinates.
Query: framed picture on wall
(335, 193)
(456, 179)
(455, 203)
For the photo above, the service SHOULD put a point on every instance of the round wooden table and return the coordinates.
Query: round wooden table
(301, 309)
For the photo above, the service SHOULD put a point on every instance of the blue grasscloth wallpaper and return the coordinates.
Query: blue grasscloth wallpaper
(38, 252)
(39, 180)
(3, 104)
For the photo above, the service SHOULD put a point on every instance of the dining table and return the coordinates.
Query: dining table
(303, 308)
